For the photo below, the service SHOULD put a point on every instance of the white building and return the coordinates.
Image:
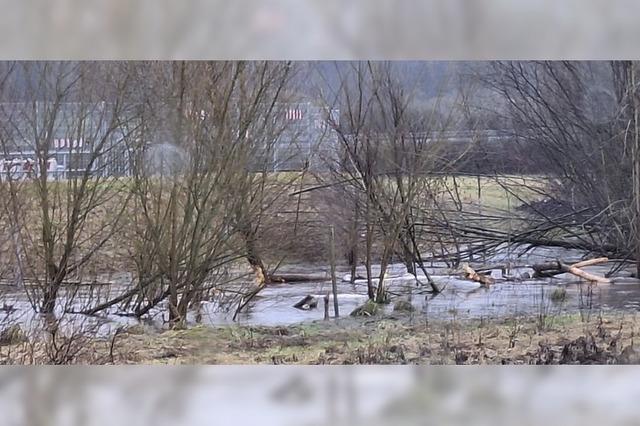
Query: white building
(72, 149)
(306, 139)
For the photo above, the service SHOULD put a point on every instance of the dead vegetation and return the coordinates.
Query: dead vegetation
(58, 344)
(601, 339)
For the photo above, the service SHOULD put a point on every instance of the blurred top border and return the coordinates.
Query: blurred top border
(320, 29)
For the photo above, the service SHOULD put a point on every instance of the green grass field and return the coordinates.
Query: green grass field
(500, 193)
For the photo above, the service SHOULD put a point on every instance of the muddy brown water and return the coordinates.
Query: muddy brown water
(460, 299)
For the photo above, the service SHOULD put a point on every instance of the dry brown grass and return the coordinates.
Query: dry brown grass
(389, 341)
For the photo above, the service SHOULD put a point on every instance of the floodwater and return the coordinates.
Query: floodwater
(460, 299)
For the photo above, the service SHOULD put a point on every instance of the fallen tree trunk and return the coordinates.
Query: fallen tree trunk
(596, 261)
(470, 274)
(555, 268)
(485, 268)
(542, 267)
(550, 269)
(297, 278)
(582, 274)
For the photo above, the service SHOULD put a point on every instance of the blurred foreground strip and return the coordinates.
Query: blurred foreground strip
(322, 29)
(319, 395)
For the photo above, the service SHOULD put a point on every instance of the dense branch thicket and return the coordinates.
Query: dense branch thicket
(580, 121)
(384, 166)
(200, 187)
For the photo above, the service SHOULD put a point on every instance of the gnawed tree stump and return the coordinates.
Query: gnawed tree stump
(470, 274)
(307, 303)
(260, 277)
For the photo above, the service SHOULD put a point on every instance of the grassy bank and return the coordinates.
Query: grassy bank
(596, 339)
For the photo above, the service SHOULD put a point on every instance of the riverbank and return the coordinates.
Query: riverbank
(566, 339)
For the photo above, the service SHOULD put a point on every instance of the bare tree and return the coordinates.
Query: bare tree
(200, 185)
(387, 161)
(62, 216)
(260, 190)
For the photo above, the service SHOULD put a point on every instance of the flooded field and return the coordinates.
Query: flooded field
(460, 298)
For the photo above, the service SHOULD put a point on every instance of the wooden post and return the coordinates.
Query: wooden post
(353, 250)
(334, 284)
(326, 306)
(369, 249)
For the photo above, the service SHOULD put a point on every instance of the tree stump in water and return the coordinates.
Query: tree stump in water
(307, 303)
